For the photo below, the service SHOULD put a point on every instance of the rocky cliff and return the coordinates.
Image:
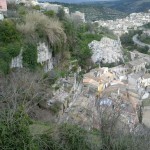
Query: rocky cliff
(44, 57)
(106, 51)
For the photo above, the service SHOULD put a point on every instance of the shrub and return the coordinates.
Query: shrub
(47, 142)
(50, 13)
(126, 39)
(13, 49)
(8, 32)
(36, 7)
(65, 137)
(50, 27)
(14, 130)
(83, 53)
(61, 14)
(4, 67)
(30, 56)
(56, 107)
(10, 44)
(73, 137)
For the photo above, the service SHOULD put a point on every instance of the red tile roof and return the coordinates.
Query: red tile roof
(3, 5)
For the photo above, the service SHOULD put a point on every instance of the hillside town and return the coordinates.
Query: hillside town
(105, 89)
(123, 87)
(121, 26)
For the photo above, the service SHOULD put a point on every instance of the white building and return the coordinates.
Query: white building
(121, 26)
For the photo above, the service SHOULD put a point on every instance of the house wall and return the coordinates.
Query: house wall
(3, 5)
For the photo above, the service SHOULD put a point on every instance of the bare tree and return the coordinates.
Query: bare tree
(23, 88)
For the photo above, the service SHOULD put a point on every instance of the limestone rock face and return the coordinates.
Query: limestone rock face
(45, 56)
(106, 51)
(16, 62)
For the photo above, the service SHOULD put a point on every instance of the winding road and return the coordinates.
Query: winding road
(136, 41)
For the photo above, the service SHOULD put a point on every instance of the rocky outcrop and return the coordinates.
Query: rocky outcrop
(45, 56)
(106, 51)
(17, 61)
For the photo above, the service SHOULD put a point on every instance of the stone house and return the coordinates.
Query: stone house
(98, 79)
(145, 80)
(119, 70)
(138, 65)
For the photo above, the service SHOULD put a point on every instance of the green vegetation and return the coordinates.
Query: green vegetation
(18, 131)
(10, 44)
(56, 107)
(36, 7)
(21, 91)
(79, 36)
(14, 131)
(17, 34)
(50, 13)
(144, 38)
(61, 14)
(147, 26)
(68, 40)
(84, 53)
(30, 56)
(8, 32)
(128, 43)
(126, 39)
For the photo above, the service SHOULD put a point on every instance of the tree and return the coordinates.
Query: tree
(50, 13)
(61, 14)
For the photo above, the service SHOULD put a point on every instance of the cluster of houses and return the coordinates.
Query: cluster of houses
(75, 16)
(127, 85)
(121, 26)
(121, 90)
